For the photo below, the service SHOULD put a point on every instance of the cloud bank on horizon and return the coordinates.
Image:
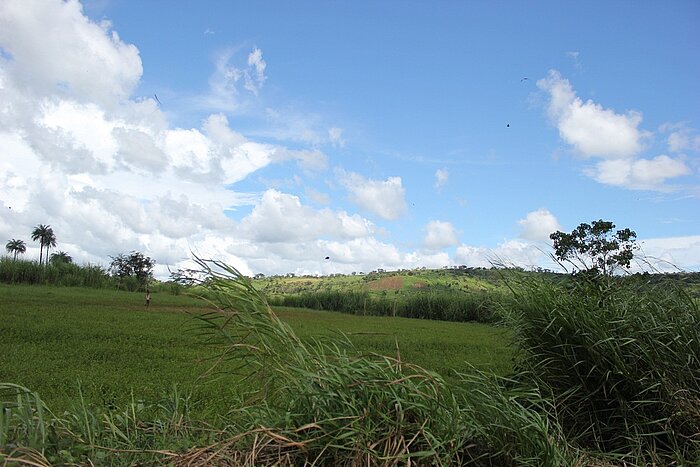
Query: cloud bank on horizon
(82, 149)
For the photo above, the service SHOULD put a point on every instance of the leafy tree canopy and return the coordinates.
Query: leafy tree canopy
(16, 247)
(135, 264)
(60, 257)
(596, 247)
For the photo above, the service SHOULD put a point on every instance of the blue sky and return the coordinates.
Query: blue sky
(381, 134)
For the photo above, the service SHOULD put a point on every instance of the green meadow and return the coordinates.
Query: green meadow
(583, 370)
(55, 339)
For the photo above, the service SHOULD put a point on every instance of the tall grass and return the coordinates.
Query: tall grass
(608, 372)
(445, 306)
(322, 403)
(318, 402)
(63, 274)
(619, 360)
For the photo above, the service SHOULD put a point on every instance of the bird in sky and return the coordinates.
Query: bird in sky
(157, 100)
(524, 78)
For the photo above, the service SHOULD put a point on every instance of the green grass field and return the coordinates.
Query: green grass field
(54, 338)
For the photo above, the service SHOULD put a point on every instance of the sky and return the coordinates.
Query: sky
(322, 137)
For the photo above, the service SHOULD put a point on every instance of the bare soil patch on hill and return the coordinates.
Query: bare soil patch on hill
(386, 283)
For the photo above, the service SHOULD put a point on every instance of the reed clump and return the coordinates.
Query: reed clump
(16, 271)
(618, 359)
(444, 306)
(322, 403)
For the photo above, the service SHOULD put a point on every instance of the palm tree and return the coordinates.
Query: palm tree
(16, 247)
(49, 242)
(61, 257)
(46, 237)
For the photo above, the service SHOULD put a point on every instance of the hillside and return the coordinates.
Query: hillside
(409, 282)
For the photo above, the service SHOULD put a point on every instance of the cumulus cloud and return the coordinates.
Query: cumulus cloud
(441, 178)
(55, 49)
(538, 225)
(385, 198)
(439, 234)
(588, 127)
(106, 170)
(508, 253)
(281, 217)
(638, 174)
(614, 139)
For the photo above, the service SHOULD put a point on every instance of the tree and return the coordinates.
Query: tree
(61, 257)
(16, 247)
(595, 247)
(134, 264)
(47, 239)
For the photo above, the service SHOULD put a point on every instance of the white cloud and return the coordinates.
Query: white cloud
(441, 178)
(255, 74)
(508, 253)
(683, 139)
(640, 174)
(538, 225)
(587, 126)
(107, 172)
(614, 140)
(55, 49)
(224, 94)
(385, 198)
(672, 253)
(282, 218)
(439, 234)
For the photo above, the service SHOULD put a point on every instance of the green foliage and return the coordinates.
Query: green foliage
(54, 336)
(136, 433)
(47, 239)
(60, 257)
(320, 403)
(56, 273)
(443, 306)
(133, 271)
(595, 247)
(619, 360)
(15, 247)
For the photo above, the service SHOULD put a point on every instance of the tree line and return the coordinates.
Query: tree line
(131, 271)
(47, 239)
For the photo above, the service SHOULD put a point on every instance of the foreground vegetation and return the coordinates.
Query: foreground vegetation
(607, 372)
(53, 337)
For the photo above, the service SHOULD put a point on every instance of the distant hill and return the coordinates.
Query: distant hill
(460, 279)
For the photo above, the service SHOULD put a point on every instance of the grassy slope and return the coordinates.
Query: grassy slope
(473, 280)
(52, 337)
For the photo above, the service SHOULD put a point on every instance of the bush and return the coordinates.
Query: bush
(619, 359)
(446, 306)
(56, 273)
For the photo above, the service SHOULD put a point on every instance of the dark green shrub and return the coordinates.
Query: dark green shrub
(619, 359)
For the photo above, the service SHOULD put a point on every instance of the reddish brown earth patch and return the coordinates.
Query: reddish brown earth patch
(386, 283)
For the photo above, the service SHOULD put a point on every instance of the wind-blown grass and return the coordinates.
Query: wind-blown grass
(608, 372)
(444, 306)
(619, 360)
(321, 403)
(64, 274)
